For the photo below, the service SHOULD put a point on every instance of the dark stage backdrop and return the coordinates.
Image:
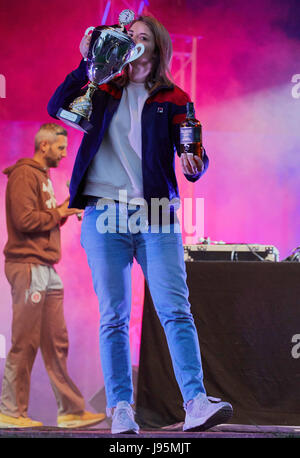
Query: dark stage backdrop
(245, 71)
(247, 316)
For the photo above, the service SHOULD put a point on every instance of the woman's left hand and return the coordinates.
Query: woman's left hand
(190, 164)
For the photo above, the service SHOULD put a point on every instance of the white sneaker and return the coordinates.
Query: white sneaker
(123, 419)
(204, 412)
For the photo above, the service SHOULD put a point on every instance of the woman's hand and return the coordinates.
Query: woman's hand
(190, 164)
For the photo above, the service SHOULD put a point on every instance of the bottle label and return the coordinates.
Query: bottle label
(190, 135)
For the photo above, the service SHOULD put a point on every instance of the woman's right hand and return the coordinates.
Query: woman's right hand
(84, 45)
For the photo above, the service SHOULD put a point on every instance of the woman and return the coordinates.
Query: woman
(129, 157)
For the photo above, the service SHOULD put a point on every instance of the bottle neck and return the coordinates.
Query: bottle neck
(190, 110)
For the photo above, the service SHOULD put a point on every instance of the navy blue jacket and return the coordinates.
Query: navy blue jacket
(162, 114)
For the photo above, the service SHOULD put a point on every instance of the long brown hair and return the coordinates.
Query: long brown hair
(160, 73)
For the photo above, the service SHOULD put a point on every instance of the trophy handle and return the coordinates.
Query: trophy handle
(137, 52)
(88, 30)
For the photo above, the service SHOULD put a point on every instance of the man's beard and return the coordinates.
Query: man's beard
(52, 163)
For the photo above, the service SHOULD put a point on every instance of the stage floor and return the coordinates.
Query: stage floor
(172, 432)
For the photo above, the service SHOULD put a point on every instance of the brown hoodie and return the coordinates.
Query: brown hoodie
(33, 222)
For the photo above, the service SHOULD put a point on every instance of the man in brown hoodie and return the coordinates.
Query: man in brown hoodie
(33, 247)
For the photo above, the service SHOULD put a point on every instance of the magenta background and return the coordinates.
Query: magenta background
(246, 58)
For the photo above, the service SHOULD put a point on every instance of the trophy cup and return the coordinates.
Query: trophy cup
(111, 48)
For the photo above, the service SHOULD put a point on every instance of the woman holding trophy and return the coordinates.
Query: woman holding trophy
(126, 155)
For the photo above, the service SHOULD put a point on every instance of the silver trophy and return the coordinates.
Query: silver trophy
(111, 48)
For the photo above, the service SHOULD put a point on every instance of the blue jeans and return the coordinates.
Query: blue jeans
(110, 256)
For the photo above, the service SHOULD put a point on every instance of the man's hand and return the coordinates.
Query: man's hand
(190, 164)
(64, 211)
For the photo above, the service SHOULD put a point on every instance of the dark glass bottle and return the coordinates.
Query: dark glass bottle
(191, 133)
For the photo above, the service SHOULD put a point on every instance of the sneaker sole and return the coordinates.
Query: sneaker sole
(219, 417)
(11, 425)
(129, 431)
(78, 423)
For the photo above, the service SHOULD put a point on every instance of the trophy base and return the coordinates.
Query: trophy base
(74, 120)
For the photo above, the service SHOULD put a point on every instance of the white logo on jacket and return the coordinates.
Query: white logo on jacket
(51, 203)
